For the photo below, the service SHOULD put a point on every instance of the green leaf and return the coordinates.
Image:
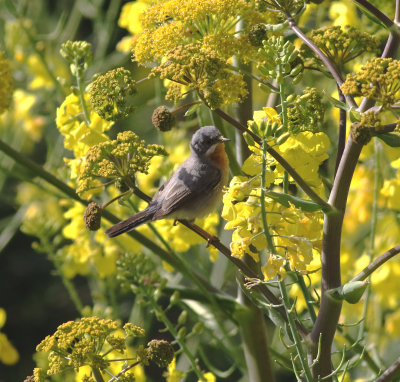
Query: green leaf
(354, 115)
(192, 109)
(284, 199)
(391, 139)
(335, 102)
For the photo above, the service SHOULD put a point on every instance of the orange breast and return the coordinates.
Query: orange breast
(219, 157)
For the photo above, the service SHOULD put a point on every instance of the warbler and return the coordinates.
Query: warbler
(194, 189)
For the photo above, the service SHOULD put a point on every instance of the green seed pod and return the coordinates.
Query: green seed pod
(298, 78)
(182, 318)
(274, 126)
(296, 70)
(286, 67)
(291, 98)
(292, 56)
(280, 130)
(283, 138)
(268, 130)
(248, 139)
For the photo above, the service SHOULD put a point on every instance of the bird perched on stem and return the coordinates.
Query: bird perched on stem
(194, 189)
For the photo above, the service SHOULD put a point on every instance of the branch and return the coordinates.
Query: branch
(391, 372)
(327, 62)
(326, 207)
(376, 12)
(382, 259)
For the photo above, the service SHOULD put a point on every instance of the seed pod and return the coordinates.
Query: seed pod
(283, 138)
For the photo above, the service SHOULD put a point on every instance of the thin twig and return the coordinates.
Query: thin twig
(379, 261)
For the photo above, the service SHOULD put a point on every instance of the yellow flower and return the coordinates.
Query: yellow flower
(8, 353)
(131, 15)
(79, 136)
(274, 266)
(391, 191)
(174, 375)
(343, 13)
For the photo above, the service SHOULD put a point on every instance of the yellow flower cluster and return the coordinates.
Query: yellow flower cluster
(296, 233)
(118, 159)
(185, 37)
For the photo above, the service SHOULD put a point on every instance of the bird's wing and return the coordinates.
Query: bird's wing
(185, 187)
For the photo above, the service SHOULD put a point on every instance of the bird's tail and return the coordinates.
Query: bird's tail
(132, 222)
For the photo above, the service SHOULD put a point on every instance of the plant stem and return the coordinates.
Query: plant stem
(295, 334)
(149, 295)
(379, 261)
(342, 131)
(376, 12)
(391, 373)
(327, 62)
(81, 90)
(252, 324)
(97, 374)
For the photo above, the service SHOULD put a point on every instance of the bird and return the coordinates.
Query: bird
(195, 188)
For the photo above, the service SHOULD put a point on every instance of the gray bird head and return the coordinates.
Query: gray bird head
(205, 138)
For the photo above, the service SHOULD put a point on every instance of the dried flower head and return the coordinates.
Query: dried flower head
(92, 216)
(161, 352)
(118, 159)
(110, 94)
(378, 80)
(162, 118)
(257, 34)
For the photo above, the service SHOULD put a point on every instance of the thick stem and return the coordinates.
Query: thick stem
(329, 312)
(342, 131)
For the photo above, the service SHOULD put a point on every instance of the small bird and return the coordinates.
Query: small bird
(194, 189)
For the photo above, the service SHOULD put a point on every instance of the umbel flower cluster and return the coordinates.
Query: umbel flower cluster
(192, 42)
(95, 342)
(377, 80)
(340, 44)
(118, 159)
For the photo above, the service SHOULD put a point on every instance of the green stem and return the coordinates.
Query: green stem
(148, 293)
(69, 286)
(295, 334)
(97, 374)
(79, 83)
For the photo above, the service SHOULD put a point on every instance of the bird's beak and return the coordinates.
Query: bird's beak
(223, 139)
